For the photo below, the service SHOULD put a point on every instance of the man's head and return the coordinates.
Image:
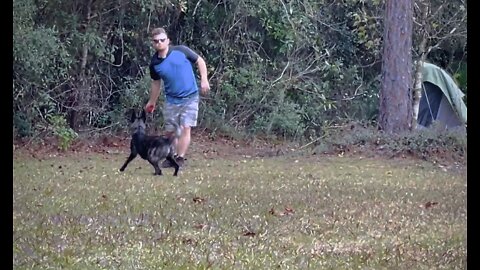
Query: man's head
(160, 39)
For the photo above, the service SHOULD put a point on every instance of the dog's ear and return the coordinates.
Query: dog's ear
(133, 116)
(144, 115)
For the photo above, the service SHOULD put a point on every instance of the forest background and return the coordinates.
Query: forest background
(284, 69)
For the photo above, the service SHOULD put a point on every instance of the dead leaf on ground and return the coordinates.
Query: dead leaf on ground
(249, 233)
(199, 200)
(276, 213)
(189, 241)
(289, 211)
(430, 204)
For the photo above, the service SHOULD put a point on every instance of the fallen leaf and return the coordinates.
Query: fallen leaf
(276, 213)
(288, 211)
(188, 241)
(430, 204)
(198, 200)
(249, 233)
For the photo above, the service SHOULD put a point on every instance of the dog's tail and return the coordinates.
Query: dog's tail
(177, 129)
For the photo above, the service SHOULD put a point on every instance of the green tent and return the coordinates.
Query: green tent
(441, 100)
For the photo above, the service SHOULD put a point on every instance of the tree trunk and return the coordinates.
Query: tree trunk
(81, 91)
(395, 95)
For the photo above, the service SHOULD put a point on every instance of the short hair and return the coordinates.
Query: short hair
(158, 31)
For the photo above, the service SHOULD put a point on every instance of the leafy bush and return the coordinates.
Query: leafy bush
(424, 143)
(65, 135)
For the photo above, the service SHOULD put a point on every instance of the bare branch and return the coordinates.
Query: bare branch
(288, 17)
(281, 75)
(195, 9)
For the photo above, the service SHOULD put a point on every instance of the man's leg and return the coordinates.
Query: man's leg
(183, 141)
(187, 114)
(188, 119)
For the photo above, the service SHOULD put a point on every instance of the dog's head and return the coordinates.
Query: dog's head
(138, 122)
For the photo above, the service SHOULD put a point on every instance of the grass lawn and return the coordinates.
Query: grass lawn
(80, 212)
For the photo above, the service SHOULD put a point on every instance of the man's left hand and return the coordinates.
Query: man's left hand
(204, 87)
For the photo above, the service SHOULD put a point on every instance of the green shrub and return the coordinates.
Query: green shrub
(424, 143)
(59, 127)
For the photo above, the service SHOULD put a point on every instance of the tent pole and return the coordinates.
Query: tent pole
(428, 102)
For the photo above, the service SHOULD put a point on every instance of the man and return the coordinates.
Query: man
(174, 66)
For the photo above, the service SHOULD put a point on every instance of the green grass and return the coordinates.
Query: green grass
(277, 213)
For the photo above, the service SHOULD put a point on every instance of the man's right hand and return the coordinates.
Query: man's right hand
(150, 107)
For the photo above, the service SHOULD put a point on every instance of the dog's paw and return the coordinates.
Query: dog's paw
(122, 170)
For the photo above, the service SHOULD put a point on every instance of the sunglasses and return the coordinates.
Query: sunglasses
(156, 41)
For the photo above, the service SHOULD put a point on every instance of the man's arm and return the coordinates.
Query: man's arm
(202, 69)
(154, 94)
(193, 57)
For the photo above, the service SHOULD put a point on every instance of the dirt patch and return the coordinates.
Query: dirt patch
(222, 147)
(202, 144)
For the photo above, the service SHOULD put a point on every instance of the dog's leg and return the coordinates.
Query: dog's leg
(174, 163)
(130, 158)
(158, 171)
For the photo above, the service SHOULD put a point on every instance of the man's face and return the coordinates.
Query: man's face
(160, 41)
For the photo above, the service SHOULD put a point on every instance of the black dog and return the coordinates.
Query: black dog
(152, 148)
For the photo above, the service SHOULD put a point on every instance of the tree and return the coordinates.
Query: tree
(395, 96)
(282, 68)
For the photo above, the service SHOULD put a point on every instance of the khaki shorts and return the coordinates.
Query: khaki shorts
(184, 114)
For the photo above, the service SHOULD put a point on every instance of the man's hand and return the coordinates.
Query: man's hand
(154, 93)
(202, 68)
(204, 87)
(150, 107)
